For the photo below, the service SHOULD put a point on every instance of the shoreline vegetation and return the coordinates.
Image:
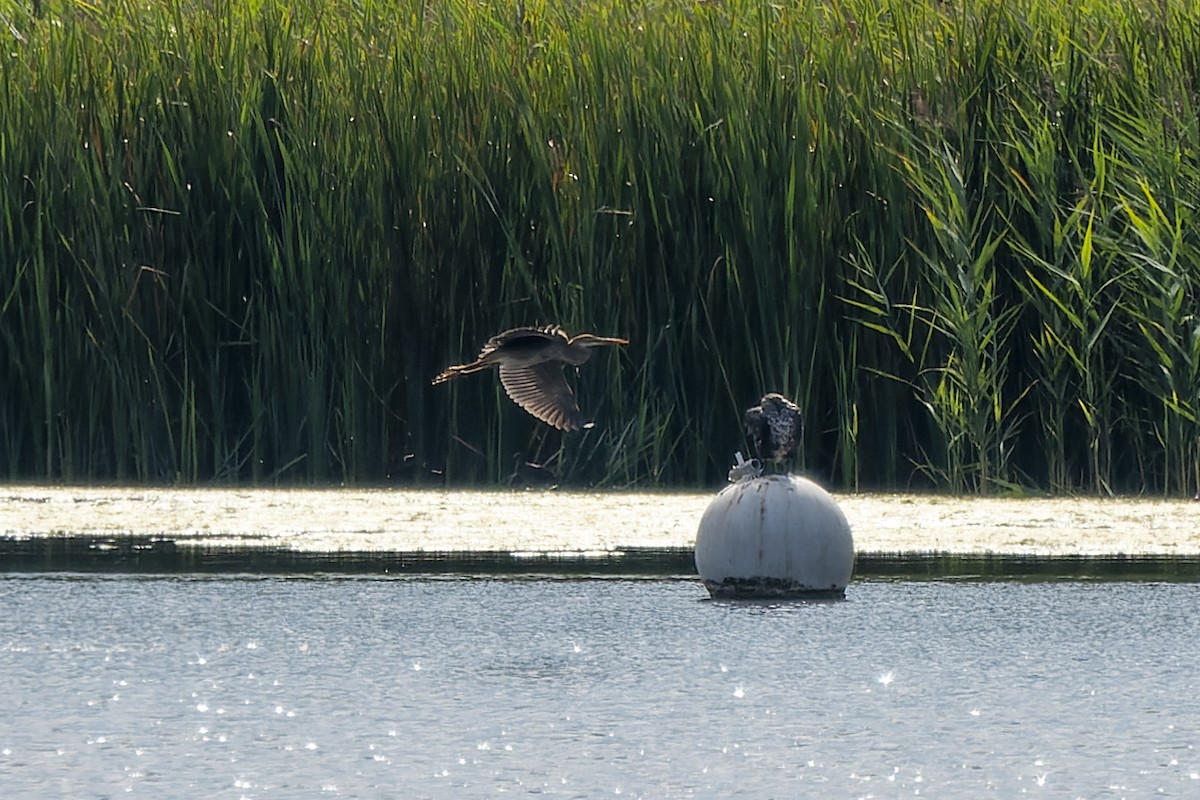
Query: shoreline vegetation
(237, 240)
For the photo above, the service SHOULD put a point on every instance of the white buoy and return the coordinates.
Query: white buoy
(774, 536)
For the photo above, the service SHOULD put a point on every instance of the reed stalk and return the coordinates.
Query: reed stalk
(238, 239)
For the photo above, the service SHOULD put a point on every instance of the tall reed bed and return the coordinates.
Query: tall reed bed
(238, 239)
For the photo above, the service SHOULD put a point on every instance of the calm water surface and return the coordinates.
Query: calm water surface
(461, 688)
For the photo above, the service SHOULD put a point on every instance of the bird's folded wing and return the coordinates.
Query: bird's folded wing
(542, 390)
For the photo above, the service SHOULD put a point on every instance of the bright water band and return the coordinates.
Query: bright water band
(354, 530)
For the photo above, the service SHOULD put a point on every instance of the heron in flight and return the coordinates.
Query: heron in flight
(531, 362)
(775, 427)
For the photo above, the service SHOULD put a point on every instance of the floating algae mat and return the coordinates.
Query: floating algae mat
(383, 530)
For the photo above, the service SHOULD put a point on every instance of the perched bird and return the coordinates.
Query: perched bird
(531, 362)
(775, 427)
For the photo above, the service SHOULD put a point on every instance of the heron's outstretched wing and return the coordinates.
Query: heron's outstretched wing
(516, 343)
(522, 338)
(542, 390)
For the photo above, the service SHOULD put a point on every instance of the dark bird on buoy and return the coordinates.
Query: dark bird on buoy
(775, 427)
(531, 362)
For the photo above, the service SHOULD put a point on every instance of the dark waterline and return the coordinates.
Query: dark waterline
(157, 555)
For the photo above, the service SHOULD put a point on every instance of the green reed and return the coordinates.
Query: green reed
(237, 240)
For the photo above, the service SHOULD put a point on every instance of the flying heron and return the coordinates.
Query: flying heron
(531, 362)
(775, 427)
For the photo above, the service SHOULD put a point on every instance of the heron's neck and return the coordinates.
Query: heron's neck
(577, 355)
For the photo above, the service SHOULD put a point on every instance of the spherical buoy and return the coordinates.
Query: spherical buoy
(774, 536)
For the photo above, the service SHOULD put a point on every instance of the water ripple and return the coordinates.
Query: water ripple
(366, 687)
